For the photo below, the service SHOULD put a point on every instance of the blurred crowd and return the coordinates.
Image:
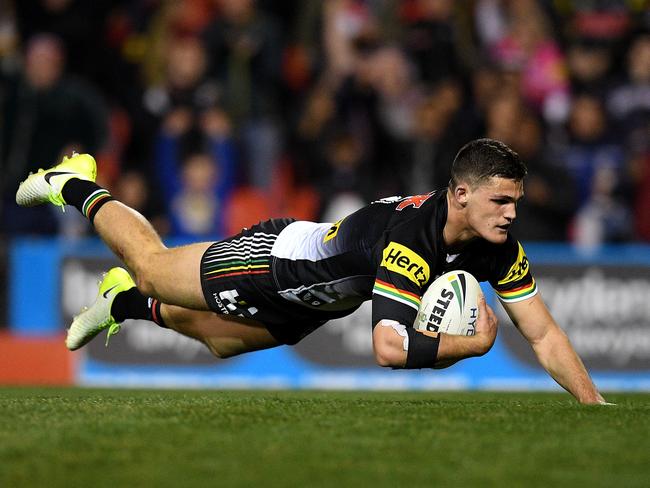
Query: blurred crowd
(208, 115)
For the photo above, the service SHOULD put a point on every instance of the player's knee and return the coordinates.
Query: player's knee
(145, 283)
(219, 353)
(221, 349)
(147, 279)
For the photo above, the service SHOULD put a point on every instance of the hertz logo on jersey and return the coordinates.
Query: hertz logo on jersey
(518, 270)
(400, 259)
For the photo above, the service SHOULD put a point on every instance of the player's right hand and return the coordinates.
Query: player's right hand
(486, 326)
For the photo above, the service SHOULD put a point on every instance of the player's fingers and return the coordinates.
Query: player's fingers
(482, 306)
(491, 314)
(493, 318)
(484, 309)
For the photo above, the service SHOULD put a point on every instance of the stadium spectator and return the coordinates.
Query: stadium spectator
(244, 48)
(629, 101)
(349, 32)
(526, 45)
(195, 185)
(303, 56)
(185, 87)
(51, 114)
(398, 91)
(590, 146)
(79, 26)
(503, 114)
(430, 39)
(133, 188)
(8, 41)
(436, 135)
(589, 63)
(357, 111)
(596, 163)
(629, 105)
(345, 170)
(317, 120)
(545, 212)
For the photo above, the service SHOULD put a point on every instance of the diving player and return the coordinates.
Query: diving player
(279, 280)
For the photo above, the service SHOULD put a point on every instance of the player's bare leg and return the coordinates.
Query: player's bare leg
(119, 299)
(224, 335)
(171, 275)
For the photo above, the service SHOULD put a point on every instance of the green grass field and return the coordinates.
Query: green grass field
(124, 438)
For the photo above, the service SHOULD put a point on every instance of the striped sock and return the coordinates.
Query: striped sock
(94, 202)
(154, 307)
(85, 196)
(131, 304)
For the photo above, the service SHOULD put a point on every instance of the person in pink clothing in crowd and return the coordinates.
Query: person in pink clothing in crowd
(526, 46)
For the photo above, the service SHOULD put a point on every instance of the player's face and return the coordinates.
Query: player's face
(492, 207)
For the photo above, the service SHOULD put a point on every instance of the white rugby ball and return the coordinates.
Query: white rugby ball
(450, 305)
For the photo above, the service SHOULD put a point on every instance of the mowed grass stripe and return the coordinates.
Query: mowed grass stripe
(84, 437)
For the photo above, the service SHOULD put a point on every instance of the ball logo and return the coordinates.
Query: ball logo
(457, 291)
(439, 310)
(460, 287)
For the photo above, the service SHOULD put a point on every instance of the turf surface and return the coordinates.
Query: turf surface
(124, 438)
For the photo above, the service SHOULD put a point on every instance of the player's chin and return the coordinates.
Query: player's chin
(497, 235)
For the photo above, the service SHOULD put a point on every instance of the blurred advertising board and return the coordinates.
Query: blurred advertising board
(602, 301)
(605, 311)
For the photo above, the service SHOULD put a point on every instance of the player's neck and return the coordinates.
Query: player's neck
(457, 233)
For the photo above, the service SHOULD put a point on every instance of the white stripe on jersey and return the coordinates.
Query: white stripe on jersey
(245, 241)
(237, 255)
(304, 240)
(248, 247)
(218, 251)
(256, 236)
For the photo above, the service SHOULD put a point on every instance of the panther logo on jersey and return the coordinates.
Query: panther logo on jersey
(416, 201)
(332, 231)
(518, 270)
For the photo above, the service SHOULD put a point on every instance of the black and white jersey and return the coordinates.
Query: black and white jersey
(388, 251)
(293, 276)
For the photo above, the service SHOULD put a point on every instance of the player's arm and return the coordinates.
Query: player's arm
(398, 346)
(552, 347)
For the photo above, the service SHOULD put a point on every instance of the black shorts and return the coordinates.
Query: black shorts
(237, 279)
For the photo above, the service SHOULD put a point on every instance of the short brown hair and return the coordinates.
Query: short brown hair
(481, 159)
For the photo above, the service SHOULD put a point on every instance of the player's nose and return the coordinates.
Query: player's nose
(510, 212)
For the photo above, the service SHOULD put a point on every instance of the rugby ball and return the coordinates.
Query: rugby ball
(450, 305)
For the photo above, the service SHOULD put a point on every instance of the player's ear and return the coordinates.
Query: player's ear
(461, 194)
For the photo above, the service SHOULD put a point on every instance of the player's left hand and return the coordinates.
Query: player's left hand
(486, 325)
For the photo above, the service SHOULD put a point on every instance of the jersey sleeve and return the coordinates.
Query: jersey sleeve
(399, 282)
(512, 280)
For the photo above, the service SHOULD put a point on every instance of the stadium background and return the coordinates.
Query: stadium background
(209, 115)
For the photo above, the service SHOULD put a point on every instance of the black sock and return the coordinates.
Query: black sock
(86, 196)
(131, 304)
